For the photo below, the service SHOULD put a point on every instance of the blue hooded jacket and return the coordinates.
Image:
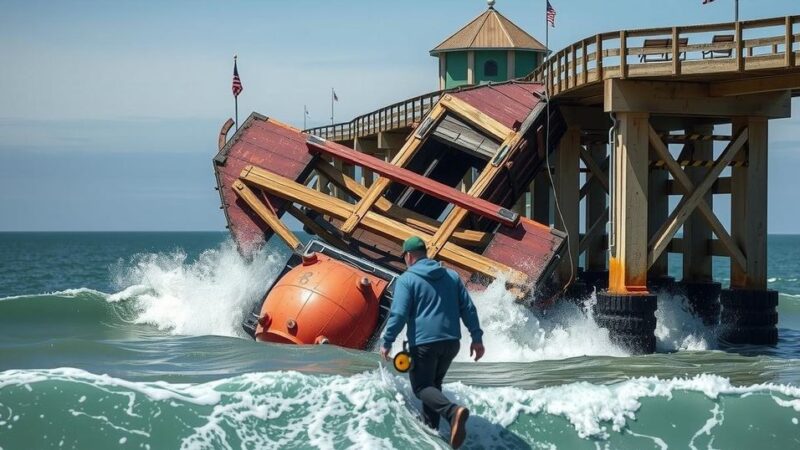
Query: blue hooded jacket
(431, 299)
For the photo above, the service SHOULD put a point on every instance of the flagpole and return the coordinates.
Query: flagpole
(305, 115)
(332, 93)
(236, 100)
(737, 11)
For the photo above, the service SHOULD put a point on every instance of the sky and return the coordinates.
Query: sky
(109, 111)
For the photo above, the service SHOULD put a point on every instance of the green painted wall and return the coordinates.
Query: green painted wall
(456, 69)
(482, 56)
(524, 63)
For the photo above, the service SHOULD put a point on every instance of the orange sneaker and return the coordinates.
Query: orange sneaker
(458, 427)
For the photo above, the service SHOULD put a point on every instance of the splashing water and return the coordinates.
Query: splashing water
(677, 328)
(209, 296)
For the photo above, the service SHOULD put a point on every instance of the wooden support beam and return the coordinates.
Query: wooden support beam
(681, 98)
(267, 215)
(402, 158)
(376, 223)
(746, 86)
(418, 182)
(657, 212)
(408, 217)
(391, 141)
(596, 214)
(696, 231)
(595, 169)
(627, 268)
(567, 188)
(749, 208)
(666, 232)
(475, 117)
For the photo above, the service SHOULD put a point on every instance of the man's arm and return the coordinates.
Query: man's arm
(398, 315)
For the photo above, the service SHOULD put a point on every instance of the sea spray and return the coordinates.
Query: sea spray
(208, 296)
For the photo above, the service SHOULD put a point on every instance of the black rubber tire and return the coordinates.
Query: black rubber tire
(639, 325)
(751, 300)
(625, 305)
(737, 318)
(750, 335)
(635, 343)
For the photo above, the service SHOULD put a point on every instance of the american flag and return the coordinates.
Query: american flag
(335, 97)
(551, 15)
(707, 1)
(237, 83)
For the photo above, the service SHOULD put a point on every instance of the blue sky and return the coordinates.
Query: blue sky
(109, 111)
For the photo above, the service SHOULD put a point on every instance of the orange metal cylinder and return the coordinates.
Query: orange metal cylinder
(322, 300)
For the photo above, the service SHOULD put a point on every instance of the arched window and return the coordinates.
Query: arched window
(490, 68)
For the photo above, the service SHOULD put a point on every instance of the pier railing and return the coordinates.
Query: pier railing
(700, 49)
(397, 115)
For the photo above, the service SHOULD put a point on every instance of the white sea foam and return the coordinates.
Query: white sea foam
(206, 296)
(272, 410)
(678, 329)
(66, 293)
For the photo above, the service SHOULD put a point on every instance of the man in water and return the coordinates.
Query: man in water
(431, 299)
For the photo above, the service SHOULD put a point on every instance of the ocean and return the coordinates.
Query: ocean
(133, 340)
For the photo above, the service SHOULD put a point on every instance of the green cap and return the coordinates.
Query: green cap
(414, 243)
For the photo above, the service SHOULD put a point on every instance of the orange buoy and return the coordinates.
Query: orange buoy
(322, 301)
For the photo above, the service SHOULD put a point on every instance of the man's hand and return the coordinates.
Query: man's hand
(385, 353)
(476, 350)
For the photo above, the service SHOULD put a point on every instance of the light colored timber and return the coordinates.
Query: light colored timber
(627, 268)
(593, 232)
(380, 185)
(658, 97)
(475, 116)
(376, 223)
(749, 211)
(759, 85)
(596, 214)
(567, 191)
(414, 219)
(267, 215)
(594, 169)
(658, 243)
(697, 264)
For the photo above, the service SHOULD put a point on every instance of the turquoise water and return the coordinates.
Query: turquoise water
(132, 340)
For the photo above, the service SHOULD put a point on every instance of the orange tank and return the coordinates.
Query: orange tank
(322, 301)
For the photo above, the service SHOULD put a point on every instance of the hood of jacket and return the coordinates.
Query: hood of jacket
(428, 269)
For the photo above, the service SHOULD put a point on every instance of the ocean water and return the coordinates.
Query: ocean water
(132, 340)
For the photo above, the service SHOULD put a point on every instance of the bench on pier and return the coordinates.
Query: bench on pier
(661, 44)
(720, 39)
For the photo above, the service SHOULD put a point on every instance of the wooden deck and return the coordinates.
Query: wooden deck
(762, 56)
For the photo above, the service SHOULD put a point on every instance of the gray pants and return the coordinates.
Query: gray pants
(431, 362)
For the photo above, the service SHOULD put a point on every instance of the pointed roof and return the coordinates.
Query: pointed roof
(490, 30)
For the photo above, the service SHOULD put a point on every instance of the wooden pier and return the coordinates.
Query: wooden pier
(658, 94)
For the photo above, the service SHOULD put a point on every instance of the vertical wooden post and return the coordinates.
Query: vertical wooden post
(676, 53)
(623, 54)
(657, 213)
(628, 262)
(567, 181)
(696, 232)
(584, 63)
(789, 43)
(540, 197)
(596, 202)
(598, 56)
(749, 208)
(739, 47)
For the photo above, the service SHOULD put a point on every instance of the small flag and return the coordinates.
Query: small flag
(237, 83)
(707, 1)
(335, 97)
(551, 15)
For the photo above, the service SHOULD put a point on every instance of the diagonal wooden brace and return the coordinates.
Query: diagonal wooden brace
(376, 223)
(694, 198)
(267, 215)
(403, 156)
(594, 168)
